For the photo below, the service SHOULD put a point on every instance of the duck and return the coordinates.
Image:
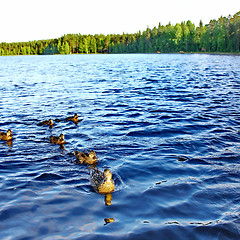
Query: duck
(73, 119)
(57, 140)
(87, 158)
(102, 182)
(6, 136)
(46, 122)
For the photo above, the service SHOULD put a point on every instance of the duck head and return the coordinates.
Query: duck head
(75, 153)
(75, 118)
(9, 133)
(50, 122)
(61, 137)
(92, 155)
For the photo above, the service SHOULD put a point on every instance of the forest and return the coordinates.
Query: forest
(222, 35)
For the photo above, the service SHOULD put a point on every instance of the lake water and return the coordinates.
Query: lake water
(167, 125)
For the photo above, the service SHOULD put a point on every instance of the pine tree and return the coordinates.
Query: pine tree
(66, 48)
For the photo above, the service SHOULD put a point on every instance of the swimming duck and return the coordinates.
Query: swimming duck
(102, 182)
(6, 136)
(46, 122)
(57, 140)
(87, 158)
(73, 119)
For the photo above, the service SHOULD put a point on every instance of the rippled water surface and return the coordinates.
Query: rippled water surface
(166, 125)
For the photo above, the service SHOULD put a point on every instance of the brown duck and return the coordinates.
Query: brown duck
(102, 182)
(73, 119)
(46, 122)
(57, 140)
(87, 158)
(6, 136)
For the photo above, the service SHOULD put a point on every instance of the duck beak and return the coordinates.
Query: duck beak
(75, 153)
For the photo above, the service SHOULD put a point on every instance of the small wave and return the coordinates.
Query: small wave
(119, 185)
(156, 133)
(49, 176)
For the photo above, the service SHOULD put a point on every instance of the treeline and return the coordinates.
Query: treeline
(222, 35)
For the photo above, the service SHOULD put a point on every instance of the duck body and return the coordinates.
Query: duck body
(73, 119)
(87, 158)
(6, 136)
(57, 140)
(46, 122)
(102, 182)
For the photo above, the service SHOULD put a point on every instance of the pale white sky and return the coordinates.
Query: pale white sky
(27, 20)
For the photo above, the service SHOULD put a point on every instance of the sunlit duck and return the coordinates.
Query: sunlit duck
(57, 140)
(87, 158)
(6, 136)
(73, 119)
(102, 182)
(46, 122)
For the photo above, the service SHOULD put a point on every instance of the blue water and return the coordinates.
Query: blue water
(166, 125)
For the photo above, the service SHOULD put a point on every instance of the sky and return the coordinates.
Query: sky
(29, 20)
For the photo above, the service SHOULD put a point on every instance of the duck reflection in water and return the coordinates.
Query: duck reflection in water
(108, 220)
(103, 183)
(10, 143)
(108, 199)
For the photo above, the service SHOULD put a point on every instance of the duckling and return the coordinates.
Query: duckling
(46, 122)
(6, 136)
(87, 158)
(102, 182)
(73, 119)
(57, 140)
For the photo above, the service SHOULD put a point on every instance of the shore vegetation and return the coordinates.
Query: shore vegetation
(218, 36)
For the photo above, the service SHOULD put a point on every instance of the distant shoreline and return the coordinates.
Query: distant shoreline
(209, 53)
(160, 53)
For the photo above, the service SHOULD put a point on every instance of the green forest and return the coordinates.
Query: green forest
(222, 35)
